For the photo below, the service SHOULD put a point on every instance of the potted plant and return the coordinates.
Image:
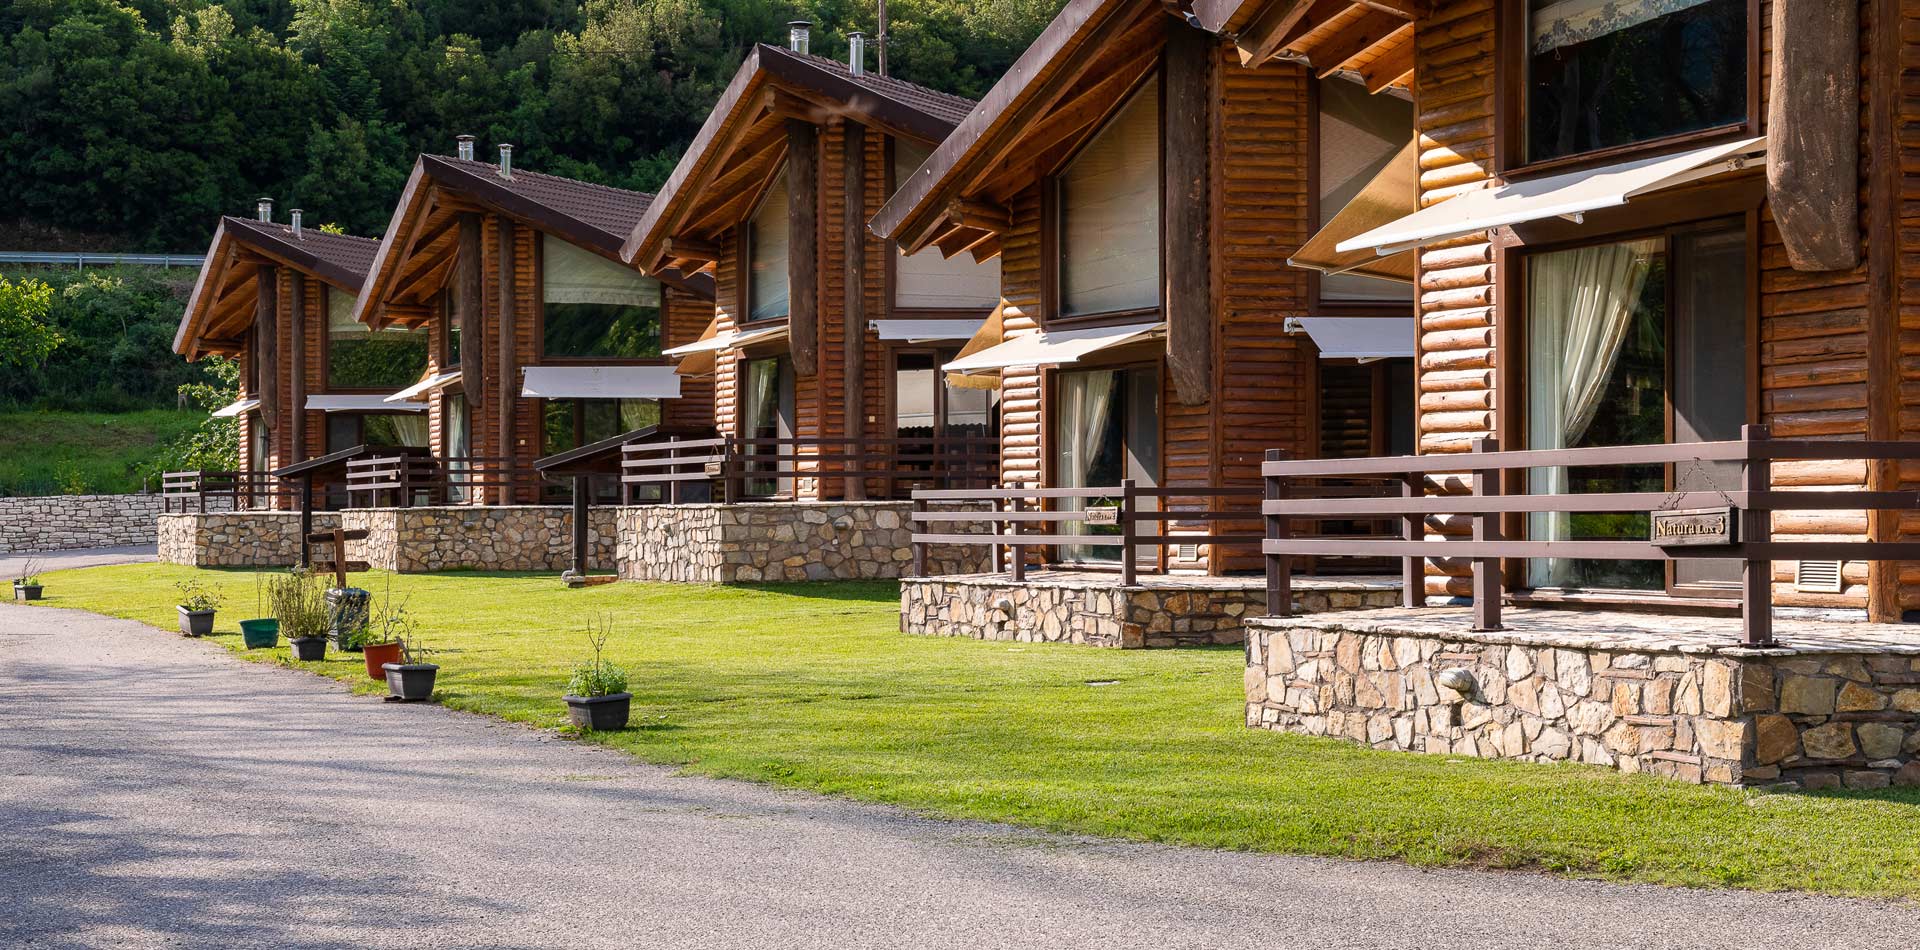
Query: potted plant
(262, 622)
(197, 604)
(282, 602)
(382, 640)
(300, 612)
(597, 697)
(26, 582)
(410, 680)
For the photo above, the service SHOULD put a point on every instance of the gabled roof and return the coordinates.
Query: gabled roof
(339, 260)
(592, 216)
(813, 87)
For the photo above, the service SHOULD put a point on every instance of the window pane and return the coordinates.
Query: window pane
(1602, 73)
(1359, 134)
(928, 281)
(359, 358)
(767, 254)
(595, 307)
(1110, 215)
(914, 385)
(459, 439)
(767, 413)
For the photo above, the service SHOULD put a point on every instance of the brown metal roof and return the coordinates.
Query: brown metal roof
(341, 260)
(596, 216)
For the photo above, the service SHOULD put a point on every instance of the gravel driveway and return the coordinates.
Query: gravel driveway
(157, 792)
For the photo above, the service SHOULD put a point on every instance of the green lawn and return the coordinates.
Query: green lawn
(75, 453)
(811, 686)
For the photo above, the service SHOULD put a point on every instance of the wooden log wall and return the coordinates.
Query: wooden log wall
(683, 318)
(504, 425)
(1901, 19)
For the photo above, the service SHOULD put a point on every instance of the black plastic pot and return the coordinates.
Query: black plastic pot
(26, 592)
(195, 623)
(309, 648)
(411, 682)
(600, 713)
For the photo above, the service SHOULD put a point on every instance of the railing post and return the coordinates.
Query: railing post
(1278, 528)
(999, 550)
(919, 547)
(1019, 564)
(1129, 567)
(405, 467)
(1413, 526)
(1487, 588)
(726, 469)
(1756, 574)
(582, 489)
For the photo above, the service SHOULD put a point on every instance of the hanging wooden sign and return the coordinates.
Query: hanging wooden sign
(1103, 516)
(1695, 527)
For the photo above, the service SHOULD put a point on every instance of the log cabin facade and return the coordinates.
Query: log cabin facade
(277, 298)
(1144, 192)
(1648, 222)
(823, 338)
(539, 339)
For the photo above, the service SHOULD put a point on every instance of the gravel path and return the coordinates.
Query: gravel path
(156, 792)
(84, 557)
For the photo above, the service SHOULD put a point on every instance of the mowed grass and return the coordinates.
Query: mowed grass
(813, 687)
(71, 453)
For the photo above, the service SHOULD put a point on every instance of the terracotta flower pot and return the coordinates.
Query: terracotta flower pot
(378, 655)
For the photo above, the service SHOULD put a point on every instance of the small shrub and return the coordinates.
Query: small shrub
(597, 677)
(299, 604)
(29, 573)
(195, 596)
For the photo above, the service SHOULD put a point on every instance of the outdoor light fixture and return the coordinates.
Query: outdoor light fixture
(1003, 608)
(1458, 680)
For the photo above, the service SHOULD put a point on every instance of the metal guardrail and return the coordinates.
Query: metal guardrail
(1747, 514)
(98, 259)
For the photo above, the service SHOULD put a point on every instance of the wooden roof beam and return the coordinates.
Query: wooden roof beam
(1322, 13)
(1334, 50)
(1393, 65)
(683, 249)
(1269, 30)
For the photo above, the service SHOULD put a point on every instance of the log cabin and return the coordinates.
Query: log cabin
(1641, 223)
(825, 342)
(278, 298)
(1144, 191)
(538, 338)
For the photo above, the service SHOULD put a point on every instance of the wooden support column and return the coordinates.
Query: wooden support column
(582, 488)
(467, 298)
(854, 298)
(266, 315)
(1883, 294)
(1813, 132)
(503, 402)
(297, 364)
(803, 245)
(1187, 264)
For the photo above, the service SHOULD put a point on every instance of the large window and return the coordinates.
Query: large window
(459, 439)
(1106, 427)
(929, 281)
(926, 407)
(766, 412)
(1108, 203)
(1627, 342)
(595, 307)
(1604, 73)
(376, 430)
(571, 423)
(766, 254)
(360, 358)
(1359, 133)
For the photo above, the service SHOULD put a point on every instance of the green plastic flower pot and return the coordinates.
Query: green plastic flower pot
(260, 634)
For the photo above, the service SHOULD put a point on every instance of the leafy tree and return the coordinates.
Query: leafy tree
(25, 337)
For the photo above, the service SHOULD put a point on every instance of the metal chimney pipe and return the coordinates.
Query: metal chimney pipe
(506, 161)
(798, 32)
(295, 215)
(463, 147)
(263, 209)
(857, 53)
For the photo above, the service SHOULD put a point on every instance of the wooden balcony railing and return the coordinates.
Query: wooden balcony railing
(740, 468)
(1746, 513)
(244, 490)
(414, 480)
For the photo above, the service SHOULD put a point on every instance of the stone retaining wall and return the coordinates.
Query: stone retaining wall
(1097, 611)
(777, 541)
(69, 522)
(477, 537)
(236, 538)
(1637, 693)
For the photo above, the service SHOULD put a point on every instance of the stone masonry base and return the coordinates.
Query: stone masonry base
(236, 538)
(776, 541)
(1838, 704)
(1092, 609)
(477, 537)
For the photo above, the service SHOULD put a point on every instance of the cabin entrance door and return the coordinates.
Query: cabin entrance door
(1106, 427)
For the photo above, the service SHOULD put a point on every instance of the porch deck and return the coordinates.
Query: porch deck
(1097, 608)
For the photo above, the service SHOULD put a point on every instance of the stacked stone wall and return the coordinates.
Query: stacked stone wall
(474, 537)
(236, 538)
(70, 522)
(778, 541)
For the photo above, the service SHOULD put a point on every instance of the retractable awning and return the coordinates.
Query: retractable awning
(601, 382)
(236, 408)
(720, 341)
(1392, 195)
(424, 386)
(925, 331)
(990, 334)
(1359, 338)
(1569, 196)
(1053, 348)
(363, 403)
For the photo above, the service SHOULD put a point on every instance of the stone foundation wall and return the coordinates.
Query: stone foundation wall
(1099, 612)
(236, 538)
(777, 541)
(69, 522)
(1642, 700)
(477, 537)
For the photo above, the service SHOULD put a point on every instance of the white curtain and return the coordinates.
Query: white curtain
(1082, 434)
(570, 274)
(1580, 306)
(1110, 215)
(459, 438)
(1553, 24)
(340, 313)
(767, 244)
(410, 428)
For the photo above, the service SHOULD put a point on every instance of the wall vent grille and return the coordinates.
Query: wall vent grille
(1818, 577)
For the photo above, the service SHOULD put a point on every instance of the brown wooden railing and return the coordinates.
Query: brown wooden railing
(1749, 508)
(413, 480)
(243, 489)
(734, 466)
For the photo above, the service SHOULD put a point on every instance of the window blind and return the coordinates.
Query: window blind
(1109, 208)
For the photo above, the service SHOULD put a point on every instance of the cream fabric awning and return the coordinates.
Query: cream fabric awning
(990, 334)
(601, 382)
(236, 408)
(427, 385)
(1392, 195)
(1569, 195)
(1053, 348)
(1359, 338)
(922, 331)
(720, 341)
(362, 403)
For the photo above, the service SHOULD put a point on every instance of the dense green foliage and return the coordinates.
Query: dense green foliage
(115, 353)
(145, 120)
(26, 337)
(385, 360)
(85, 453)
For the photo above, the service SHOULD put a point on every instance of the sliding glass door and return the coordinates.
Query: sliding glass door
(1105, 427)
(766, 412)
